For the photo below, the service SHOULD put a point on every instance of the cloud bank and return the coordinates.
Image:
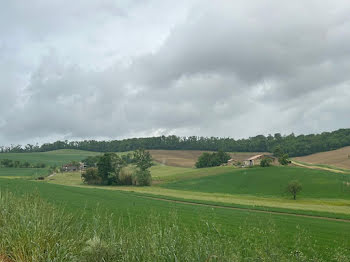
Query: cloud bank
(96, 69)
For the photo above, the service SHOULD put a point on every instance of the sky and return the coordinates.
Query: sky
(103, 69)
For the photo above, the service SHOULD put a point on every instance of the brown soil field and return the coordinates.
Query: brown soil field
(338, 158)
(188, 158)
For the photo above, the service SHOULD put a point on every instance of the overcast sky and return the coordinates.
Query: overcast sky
(108, 69)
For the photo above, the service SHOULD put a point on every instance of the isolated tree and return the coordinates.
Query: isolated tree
(265, 162)
(283, 159)
(294, 187)
(143, 161)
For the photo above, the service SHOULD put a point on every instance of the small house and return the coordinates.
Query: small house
(70, 167)
(255, 160)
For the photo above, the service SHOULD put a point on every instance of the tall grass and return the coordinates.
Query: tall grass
(34, 230)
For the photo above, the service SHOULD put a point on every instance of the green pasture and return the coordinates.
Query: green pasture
(56, 157)
(22, 172)
(269, 182)
(124, 205)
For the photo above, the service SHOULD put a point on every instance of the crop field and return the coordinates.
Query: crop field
(22, 172)
(89, 201)
(56, 157)
(178, 192)
(338, 158)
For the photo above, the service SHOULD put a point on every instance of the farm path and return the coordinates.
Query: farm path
(320, 168)
(244, 209)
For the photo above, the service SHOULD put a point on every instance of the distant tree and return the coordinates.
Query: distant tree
(109, 166)
(277, 151)
(283, 159)
(91, 176)
(91, 161)
(26, 164)
(17, 164)
(143, 161)
(204, 160)
(265, 162)
(212, 159)
(294, 187)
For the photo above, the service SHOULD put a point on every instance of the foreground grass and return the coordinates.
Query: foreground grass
(34, 230)
(124, 205)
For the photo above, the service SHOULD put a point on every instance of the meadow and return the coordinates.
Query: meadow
(118, 221)
(309, 236)
(270, 182)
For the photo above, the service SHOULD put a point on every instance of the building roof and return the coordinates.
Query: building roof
(254, 157)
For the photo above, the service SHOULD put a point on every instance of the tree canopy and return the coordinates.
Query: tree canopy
(289, 144)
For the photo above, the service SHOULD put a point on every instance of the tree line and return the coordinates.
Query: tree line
(290, 144)
(9, 163)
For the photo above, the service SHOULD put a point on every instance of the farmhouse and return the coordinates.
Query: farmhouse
(71, 167)
(255, 160)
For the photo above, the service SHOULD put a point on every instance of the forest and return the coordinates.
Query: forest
(291, 144)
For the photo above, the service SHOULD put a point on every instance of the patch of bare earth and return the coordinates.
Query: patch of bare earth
(4, 258)
(338, 158)
(188, 158)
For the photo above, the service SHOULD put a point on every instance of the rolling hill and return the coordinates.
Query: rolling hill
(338, 158)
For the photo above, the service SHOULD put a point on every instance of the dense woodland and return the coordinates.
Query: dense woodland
(290, 144)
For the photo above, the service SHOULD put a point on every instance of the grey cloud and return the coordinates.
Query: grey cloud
(228, 69)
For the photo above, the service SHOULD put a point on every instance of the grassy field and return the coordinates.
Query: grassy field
(56, 157)
(324, 194)
(271, 181)
(328, 234)
(22, 172)
(336, 158)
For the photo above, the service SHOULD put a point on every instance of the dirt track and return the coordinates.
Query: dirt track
(245, 209)
(320, 168)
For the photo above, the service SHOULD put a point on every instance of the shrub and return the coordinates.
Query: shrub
(265, 162)
(212, 159)
(91, 177)
(283, 159)
(125, 178)
(142, 177)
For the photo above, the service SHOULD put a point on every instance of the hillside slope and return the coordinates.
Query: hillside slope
(338, 158)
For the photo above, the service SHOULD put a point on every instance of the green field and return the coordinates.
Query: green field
(56, 157)
(270, 182)
(85, 200)
(22, 172)
(323, 191)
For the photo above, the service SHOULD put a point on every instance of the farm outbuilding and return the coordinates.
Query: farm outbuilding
(255, 160)
(72, 167)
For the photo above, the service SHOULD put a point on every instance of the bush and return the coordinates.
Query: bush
(142, 177)
(91, 177)
(212, 159)
(125, 178)
(265, 162)
(283, 160)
